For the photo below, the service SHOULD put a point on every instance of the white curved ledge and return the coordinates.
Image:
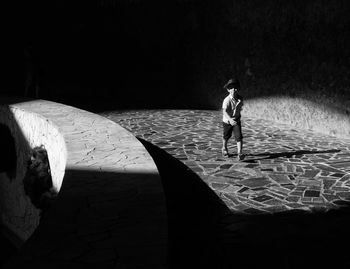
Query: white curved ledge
(110, 208)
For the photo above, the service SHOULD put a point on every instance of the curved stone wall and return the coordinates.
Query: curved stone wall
(28, 130)
(110, 208)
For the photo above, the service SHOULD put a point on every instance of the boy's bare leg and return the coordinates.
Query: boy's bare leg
(240, 155)
(224, 146)
(239, 147)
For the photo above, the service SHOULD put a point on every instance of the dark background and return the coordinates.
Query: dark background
(109, 54)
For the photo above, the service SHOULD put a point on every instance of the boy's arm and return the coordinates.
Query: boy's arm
(238, 110)
(231, 120)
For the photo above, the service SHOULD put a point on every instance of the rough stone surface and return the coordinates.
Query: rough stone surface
(284, 167)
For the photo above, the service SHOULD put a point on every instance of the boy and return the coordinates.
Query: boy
(231, 108)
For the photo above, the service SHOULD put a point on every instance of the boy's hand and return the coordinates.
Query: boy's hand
(233, 122)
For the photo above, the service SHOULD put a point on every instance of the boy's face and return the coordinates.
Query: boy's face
(232, 91)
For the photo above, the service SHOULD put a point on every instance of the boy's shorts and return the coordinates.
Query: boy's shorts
(236, 130)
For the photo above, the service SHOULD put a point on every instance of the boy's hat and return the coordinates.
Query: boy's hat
(232, 83)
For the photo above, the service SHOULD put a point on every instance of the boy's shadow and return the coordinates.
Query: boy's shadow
(295, 154)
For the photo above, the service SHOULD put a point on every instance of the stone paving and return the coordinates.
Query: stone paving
(285, 168)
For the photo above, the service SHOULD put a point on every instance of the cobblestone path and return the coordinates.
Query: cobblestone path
(285, 168)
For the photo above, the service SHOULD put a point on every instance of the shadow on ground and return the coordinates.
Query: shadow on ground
(289, 154)
(204, 233)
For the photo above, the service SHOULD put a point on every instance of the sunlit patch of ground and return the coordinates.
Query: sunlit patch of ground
(325, 117)
(286, 168)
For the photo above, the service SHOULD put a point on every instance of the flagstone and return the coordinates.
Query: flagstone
(340, 189)
(311, 173)
(306, 200)
(345, 178)
(292, 199)
(341, 165)
(337, 175)
(309, 182)
(263, 198)
(240, 207)
(319, 200)
(311, 193)
(296, 205)
(280, 189)
(291, 177)
(329, 191)
(209, 165)
(327, 168)
(225, 166)
(344, 195)
(280, 178)
(330, 197)
(276, 209)
(255, 182)
(232, 198)
(288, 186)
(233, 189)
(276, 195)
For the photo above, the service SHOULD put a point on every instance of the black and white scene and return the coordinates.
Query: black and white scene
(175, 134)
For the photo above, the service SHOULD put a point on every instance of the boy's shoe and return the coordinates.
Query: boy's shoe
(224, 153)
(240, 157)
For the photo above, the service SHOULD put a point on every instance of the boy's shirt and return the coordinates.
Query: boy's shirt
(233, 108)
